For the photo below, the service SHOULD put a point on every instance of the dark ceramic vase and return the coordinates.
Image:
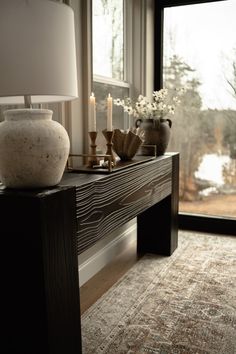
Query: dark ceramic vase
(157, 133)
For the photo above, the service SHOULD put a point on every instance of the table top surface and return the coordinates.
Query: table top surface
(76, 178)
(83, 177)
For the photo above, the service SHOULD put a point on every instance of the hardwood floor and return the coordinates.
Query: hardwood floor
(93, 289)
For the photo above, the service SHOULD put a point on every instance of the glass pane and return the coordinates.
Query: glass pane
(108, 38)
(200, 54)
(119, 120)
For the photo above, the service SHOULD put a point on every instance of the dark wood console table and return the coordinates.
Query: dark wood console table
(43, 231)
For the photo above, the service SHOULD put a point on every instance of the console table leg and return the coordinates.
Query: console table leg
(158, 226)
(40, 310)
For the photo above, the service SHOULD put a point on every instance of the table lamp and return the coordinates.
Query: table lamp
(37, 65)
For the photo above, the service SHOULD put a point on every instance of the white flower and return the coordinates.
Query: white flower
(141, 98)
(171, 109)
(118, 102)
(140, 104)
(160, 95)
(149, 106)
(161, 105)
(128, 109)
(144, 110)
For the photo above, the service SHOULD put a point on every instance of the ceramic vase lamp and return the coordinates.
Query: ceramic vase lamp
(37, 65)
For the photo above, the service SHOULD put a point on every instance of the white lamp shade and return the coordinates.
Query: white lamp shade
(38, 56)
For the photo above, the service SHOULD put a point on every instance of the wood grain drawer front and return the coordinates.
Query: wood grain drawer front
(106, 204)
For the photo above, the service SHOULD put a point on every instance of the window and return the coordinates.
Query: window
(109, 61)
(108, 38)
(199, 52)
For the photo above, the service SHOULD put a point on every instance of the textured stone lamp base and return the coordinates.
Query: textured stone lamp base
(33, 149)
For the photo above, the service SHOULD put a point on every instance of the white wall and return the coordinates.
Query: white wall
(104, 251)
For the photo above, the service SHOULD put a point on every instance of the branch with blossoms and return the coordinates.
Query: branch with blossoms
(161, 105)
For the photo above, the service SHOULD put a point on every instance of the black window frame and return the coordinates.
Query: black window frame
(194, 222)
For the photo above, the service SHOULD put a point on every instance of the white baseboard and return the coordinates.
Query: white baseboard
(106, 254)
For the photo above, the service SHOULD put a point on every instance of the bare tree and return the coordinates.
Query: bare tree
(232, 82)
(230, 124)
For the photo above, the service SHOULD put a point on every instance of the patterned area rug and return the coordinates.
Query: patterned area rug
(184, 304)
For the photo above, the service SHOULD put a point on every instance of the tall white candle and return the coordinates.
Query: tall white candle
(109, 113)
(92, 113)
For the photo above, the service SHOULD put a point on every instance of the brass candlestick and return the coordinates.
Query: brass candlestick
(93, 160)
(108, 136)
